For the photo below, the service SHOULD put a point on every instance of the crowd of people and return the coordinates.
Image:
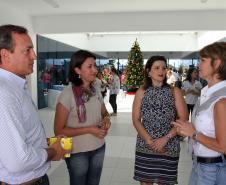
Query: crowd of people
(160, 115)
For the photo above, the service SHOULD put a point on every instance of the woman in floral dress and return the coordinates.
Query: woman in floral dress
(155, 106)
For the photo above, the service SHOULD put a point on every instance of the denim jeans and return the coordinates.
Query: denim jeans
(85, 168)
(208, 174)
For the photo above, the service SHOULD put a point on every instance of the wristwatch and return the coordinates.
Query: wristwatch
(195, 134)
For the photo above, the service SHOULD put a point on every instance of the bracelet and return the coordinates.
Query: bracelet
(107, 117)
(195, 134)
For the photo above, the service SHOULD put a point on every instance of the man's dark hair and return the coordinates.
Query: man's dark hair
(6, 39)
(114, 70)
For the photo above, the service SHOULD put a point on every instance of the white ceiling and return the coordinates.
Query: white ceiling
(98, 15)
(122, 16)
(56, 7)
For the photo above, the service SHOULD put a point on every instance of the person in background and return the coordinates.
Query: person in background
(123, 83)
(46, 79)
(97, 83)
(104, 85)
(178, 75)
(24, 154)
(171, 78)
(101, 84)
(155, 106)
(81, 114)
(184, 74)
(207, 131)
(192, 88)
(114, 87)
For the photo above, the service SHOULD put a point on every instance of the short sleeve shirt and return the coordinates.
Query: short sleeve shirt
(86, 142)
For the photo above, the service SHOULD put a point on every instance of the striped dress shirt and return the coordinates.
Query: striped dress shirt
(22, 145)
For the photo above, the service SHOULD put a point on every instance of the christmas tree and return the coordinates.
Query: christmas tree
(134, 70)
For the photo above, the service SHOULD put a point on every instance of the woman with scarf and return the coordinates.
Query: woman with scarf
(82, 115)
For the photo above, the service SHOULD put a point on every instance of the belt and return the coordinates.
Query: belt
(31, 182)
(209, 160)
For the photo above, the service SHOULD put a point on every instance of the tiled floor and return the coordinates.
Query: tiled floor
(120, 146)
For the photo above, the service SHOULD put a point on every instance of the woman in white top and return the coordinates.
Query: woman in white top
(191, 88)
(208, 127)
(114, 87)
(171, 79)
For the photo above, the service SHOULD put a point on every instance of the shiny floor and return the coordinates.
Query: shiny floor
(120, 147)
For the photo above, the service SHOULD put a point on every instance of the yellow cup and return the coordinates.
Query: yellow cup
(66, 143)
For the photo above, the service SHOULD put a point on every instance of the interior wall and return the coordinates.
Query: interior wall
(194, 20)
(8, 15)
(147, 42)
(210, 37)
(79, 40)
(119, 43)
(188, 20)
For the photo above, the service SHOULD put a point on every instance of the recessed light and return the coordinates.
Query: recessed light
(52, 3)
(203, 1)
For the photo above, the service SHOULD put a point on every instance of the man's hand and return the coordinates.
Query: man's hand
(56, 151)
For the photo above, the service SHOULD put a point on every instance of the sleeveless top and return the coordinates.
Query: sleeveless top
(158, 110)
(203, 118)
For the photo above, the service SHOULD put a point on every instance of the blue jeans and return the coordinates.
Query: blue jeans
(85, 168)
(208, 174)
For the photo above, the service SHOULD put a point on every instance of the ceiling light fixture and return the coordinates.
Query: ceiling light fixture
(140, 33)
(203, 1)
(52, 3)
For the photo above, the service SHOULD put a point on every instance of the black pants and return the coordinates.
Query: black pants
(112, 101)
(103, 93)
(190, 108)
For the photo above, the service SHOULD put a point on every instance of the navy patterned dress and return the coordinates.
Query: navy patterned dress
(157, 111)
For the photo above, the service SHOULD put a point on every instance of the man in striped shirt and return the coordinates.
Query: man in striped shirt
(24, 154)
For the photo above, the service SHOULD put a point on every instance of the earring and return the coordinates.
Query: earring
(78, 76)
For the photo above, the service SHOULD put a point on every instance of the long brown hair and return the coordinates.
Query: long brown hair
(150, 62)
(77, 59)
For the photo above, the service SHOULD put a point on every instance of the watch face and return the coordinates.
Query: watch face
(194, 135)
